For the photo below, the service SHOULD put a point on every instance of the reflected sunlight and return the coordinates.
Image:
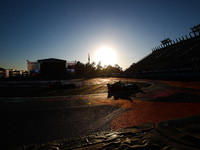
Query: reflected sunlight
(106, 55)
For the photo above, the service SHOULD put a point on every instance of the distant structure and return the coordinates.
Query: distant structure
(168, 43)
(71, 67)
(52, 67)
(12, 73)
(89, 58)
(2, 73)
(195, 30)
(33, 67)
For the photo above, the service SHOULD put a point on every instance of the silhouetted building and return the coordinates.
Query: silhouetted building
(52, 67)
(10, 73)
(2, 73)
(15, 73)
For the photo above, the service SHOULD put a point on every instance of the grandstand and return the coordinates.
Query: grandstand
(178, 59)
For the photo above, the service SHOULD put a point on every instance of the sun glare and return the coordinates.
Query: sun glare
(106, 55)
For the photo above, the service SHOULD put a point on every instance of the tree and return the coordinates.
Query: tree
(99, 69)
(79, 69)
(110, 70)
(118, 68)
(90, 69)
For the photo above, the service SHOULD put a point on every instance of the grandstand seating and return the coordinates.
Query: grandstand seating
(177, 60)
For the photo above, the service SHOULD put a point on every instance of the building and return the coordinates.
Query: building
(52, 67)
(71, 66)
(2, 73)
(12, 73)
(33, 68)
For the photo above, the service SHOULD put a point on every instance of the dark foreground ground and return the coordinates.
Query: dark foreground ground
(84, 118)
(140, 137)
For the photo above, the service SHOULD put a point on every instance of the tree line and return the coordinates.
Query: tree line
(93, 70)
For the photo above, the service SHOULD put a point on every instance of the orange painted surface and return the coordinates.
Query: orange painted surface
(144, 111)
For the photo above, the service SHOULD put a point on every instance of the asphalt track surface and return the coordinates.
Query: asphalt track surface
(42, 119)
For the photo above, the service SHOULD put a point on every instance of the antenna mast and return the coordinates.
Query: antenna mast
(89, 58)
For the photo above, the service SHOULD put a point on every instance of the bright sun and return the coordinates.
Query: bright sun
(106, 55)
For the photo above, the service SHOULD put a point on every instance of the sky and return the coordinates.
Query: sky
(72, 29)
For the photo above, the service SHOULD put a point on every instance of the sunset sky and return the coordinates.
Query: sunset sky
(125, 30)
